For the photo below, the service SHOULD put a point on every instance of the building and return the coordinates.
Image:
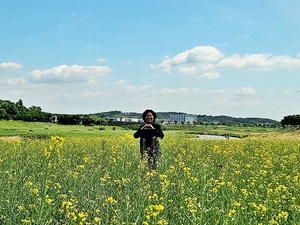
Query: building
(183, 118)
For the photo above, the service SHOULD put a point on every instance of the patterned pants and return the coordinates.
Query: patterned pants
(153, 152)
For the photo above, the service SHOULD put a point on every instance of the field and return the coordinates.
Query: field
(78, 175)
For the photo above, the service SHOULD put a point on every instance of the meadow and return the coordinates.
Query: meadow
(75, 175)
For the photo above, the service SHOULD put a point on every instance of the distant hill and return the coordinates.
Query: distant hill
(221, 120)
(17, 111)
(232, 120)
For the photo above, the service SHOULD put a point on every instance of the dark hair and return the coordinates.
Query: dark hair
(147, 111)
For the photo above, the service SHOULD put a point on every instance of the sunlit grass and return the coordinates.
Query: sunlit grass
(101, 180)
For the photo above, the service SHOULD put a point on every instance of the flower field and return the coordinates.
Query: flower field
(101, 180)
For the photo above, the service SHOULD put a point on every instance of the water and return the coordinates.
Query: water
(214, 137)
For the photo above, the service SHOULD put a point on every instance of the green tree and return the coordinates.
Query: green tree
(10, 108)
(3, 114)
(36, 113)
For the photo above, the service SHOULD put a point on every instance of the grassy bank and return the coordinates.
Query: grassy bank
(36, 129)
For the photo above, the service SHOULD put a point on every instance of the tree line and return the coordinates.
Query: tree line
(291, 120)
(17, 111)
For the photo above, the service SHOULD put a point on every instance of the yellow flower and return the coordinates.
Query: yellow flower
(113, 159)
(162, 176)
(29, 184)
(67, 204)
(162, 222)
(57, 186)
(194, 179)
(48, 200)
(231, 212)
(159, 207)
(85, 159)
(154, 196)
(35, 191)
(283, 215)
(262, 208)
(80, 167)
(222, 183)
(82, 216)
(97, 211)
(244, 191)
(97, 219)
(46, 153)
(20, 207)
(237, 204)
(111, 200)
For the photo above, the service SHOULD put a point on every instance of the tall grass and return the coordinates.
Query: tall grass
(101, 180)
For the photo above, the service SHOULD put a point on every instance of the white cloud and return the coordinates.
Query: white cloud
(259, 61)
(197, 56)
(246, 91)
(13, 83)
(210, 61)
(64, 73)
(187, 70)
(209, 75)
(165, 65)
(10, 66)
(101, 60)
(121, 82)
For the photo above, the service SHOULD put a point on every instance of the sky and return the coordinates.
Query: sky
(204, 57)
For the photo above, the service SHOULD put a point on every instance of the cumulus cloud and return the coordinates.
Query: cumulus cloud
(64, 73)
(10, 66)
(210, 61)
(259, 61)
(187, 70)
(199, 55)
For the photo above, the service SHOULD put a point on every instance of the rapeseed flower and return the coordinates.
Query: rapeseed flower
(283, 215)
(231, 212)
(111, 200)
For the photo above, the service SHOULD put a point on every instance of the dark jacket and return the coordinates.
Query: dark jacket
(148, 135)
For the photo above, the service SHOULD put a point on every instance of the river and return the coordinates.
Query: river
(214, 137)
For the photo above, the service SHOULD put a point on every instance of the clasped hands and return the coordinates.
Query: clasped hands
(147, 127)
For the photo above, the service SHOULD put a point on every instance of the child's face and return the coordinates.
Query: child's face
(149, 117)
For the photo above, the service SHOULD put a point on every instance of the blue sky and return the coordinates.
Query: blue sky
(234, 58)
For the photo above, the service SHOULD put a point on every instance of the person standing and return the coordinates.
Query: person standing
(149, 134)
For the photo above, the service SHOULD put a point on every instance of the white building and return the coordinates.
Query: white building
(183, 118)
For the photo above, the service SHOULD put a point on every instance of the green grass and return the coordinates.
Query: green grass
(37, 129)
